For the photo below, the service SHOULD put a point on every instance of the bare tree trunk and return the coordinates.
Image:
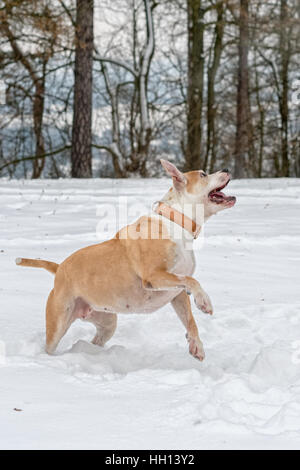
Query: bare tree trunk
(145, 131)
(242, 144)
(261, 123)
(284, 108)
(211, 77)
(38, 112)
(115, 147)
(195, 83)
(81, 154)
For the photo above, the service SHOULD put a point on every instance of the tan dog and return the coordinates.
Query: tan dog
(145, 266)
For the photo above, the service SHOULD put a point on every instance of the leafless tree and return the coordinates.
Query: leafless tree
(196, 29)
(242, 143)
(134, 158)
(81, 155)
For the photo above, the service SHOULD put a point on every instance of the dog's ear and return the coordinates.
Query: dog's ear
(179, 180)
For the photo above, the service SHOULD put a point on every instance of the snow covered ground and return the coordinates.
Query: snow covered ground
(143, 390)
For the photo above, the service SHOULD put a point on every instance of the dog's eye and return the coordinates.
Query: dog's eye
(203, 173)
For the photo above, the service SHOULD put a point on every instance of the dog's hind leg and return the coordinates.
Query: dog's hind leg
(182, 307)
(105, 323)
(59, 317)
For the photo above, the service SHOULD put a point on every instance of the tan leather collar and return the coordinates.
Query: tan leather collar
(178, 218)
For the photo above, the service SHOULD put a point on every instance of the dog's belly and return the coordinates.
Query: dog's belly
(140, 300)
(136, 300)
(152, 301)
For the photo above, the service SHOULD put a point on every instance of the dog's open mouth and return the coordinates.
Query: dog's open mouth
(218, 197)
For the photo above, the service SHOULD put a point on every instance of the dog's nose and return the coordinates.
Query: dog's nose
(225, 170)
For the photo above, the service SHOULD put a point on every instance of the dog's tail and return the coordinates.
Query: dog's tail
(38, 263)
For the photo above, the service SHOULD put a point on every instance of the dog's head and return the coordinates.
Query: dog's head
(196, 187)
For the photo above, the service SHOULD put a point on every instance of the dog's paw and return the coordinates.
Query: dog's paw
(98, 341)
(203, 303)
(196, 348)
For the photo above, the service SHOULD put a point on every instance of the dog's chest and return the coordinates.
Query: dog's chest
(184, 262)
(184, 265)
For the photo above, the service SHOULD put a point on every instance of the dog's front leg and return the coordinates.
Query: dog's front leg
(182, 307)
(164, 280)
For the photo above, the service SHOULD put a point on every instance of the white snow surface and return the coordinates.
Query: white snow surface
(143, 390)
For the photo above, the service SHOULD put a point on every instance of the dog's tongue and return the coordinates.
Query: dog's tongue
(217, 195)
